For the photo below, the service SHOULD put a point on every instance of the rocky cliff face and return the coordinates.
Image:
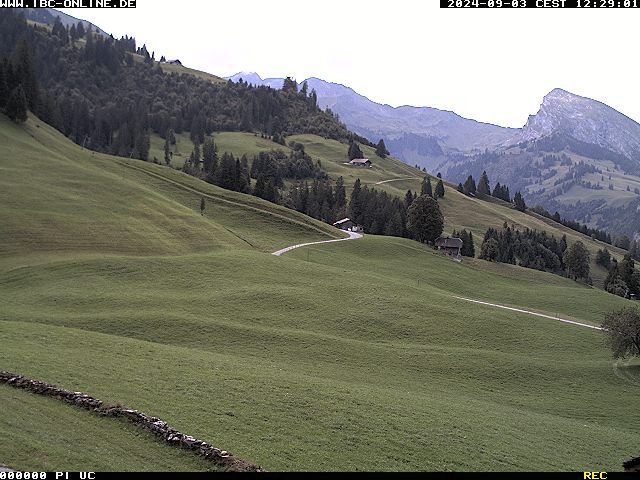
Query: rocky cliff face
(586, 120)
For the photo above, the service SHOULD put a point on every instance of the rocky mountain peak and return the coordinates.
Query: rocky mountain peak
(586, 120)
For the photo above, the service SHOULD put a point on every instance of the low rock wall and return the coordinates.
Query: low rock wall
(159, 427)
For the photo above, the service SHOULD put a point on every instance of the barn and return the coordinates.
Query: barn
(347, 224)
(360, 162)
(450, 246)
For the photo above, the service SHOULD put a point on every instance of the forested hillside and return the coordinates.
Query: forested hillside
(110, 95)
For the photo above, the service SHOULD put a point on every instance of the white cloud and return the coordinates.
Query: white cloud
(490, 65)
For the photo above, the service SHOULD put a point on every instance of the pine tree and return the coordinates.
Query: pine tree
(167, 152)
(381, 149)
(210, 156)
(519, 202)
(356, 207)
(80, 30)
(408, 199)
(340, 198)
(17, 105)
(202, 206)
(354, 151)
(439, 192)
(25, 74)
(4, 86)
(426, 187)
(425, 220)
(483, 186)
(469, 187)
(460, 188)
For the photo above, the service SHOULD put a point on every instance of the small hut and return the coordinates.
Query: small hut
(449, 245)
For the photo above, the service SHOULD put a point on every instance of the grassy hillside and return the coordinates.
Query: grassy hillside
(43, 434)
(342, 356)
(459, 210)
(59, 199)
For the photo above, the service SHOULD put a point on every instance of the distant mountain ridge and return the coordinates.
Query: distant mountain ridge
(420, 135)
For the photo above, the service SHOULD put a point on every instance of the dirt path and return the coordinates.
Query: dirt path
(557, 319)
(352, 236)
(396, 180)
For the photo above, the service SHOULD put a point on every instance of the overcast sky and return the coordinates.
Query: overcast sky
(490, 65)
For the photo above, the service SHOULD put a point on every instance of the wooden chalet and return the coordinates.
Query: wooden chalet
(360, 162)
(347, 225)
(450, 246)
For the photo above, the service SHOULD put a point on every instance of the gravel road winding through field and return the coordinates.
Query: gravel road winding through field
(557, 319)
(352, 236)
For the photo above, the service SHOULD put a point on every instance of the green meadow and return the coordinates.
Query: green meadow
(344, 356)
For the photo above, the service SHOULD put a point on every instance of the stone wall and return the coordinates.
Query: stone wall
(160, 428)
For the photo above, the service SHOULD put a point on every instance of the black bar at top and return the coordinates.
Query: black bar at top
(516, 4)
(68, 3)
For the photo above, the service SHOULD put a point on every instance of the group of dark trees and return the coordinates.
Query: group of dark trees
(277, 165)
(536, 250)
(577, 226)
(319, 199)
(378, 212)
(427, 188)
(19, 90)
(623, 279)
(99, 94)
(483, 190)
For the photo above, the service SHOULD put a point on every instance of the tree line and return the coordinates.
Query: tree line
(622, 279)
(98, 93)
(595, 233)
(537, 250)
(483, 190)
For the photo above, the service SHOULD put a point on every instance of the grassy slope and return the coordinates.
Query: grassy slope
(333, 357)
(76, 202)
(39, 431)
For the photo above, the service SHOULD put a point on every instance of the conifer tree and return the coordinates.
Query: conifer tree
(340, 197)
(408, 199)
(439, 192)
(469, 187)
(381, 149)
(25, 74)
(483, 186)
(356, 207)
(4, 86)
(426, 187)
(17, 105)
(167, 152)
(425, 220)
(210, 156)
(518, 201)
(354, 151)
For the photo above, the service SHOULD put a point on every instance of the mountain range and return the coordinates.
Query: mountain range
(576, 155)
